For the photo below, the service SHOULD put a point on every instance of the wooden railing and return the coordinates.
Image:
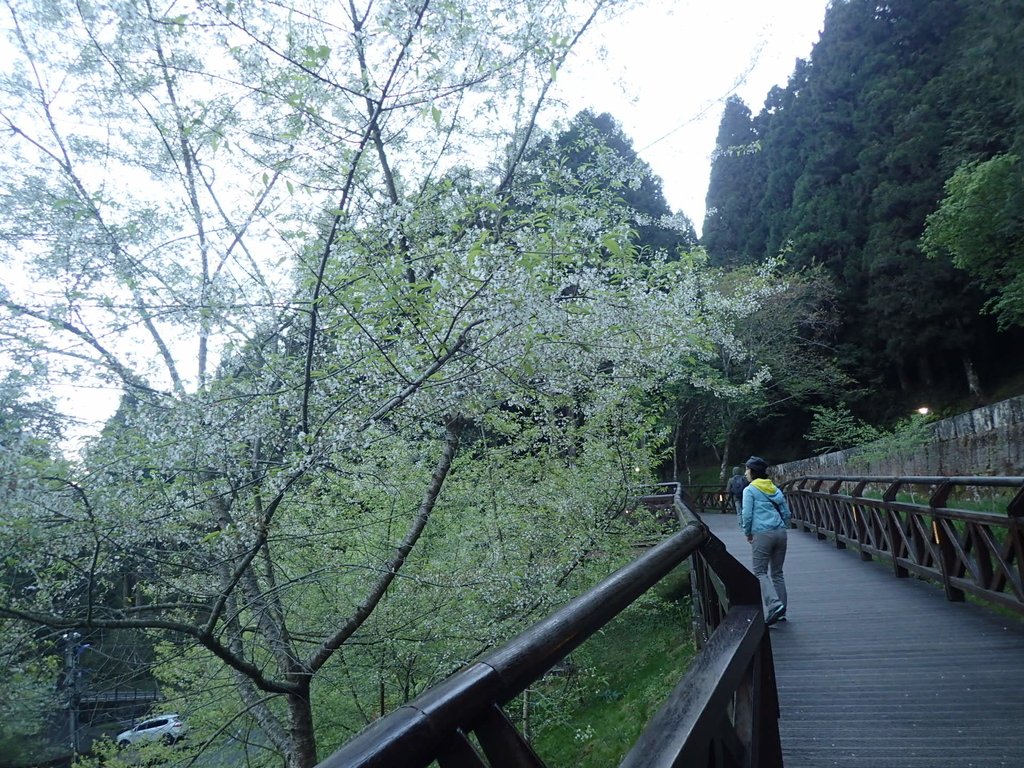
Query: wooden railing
(921, 526)
(707, 498)
(724, 712)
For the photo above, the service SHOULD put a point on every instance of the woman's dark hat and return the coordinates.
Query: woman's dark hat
(756, 462)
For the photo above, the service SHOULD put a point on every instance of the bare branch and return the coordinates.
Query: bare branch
(397, 560)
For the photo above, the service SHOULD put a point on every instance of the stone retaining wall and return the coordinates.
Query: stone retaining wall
(986, 441)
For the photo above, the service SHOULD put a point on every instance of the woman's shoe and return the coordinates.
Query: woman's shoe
(776, 613)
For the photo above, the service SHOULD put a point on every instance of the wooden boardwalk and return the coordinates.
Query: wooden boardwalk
(882, 672)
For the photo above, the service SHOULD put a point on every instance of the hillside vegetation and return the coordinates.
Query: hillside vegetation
(890, 163)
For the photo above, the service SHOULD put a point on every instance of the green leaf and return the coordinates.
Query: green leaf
(315, 56)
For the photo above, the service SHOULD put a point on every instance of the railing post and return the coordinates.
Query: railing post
(896, 538)
(821, 513)
(948, 559)
(861, 522)
(757, 710)
(835, 515)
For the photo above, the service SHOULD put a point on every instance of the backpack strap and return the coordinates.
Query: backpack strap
(774, 503)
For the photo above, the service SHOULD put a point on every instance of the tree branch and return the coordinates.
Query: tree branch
(111, 362)
(559, 61)
(398, 556)
(204, 638)
(433, 368)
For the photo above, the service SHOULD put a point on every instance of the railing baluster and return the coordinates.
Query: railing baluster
(979, 546)
(502, 743)
(1014, 553)
(459, 752)
(899, 546)
(950, 561)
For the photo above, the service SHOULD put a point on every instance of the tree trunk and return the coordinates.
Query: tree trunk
(686, 457)
(973, 381)
(300, 729)
(675, 453)
(724, 463)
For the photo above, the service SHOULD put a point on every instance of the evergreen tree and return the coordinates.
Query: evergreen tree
(595, 152)
(733, 231)
(854, 152)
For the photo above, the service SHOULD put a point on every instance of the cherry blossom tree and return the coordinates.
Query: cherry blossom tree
(379, 387)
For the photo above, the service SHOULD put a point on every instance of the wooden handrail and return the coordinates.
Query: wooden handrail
(732, 676)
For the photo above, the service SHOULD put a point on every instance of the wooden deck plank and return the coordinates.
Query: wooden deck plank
(879, 671)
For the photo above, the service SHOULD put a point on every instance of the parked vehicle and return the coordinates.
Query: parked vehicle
(169, 728)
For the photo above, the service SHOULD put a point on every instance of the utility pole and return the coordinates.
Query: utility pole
(71, 653)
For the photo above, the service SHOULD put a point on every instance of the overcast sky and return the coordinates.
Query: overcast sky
(664, 70)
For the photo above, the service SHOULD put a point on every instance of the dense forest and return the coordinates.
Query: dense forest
(379, 403)
(891, 162)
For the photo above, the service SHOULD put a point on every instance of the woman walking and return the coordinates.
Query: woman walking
(764, 519)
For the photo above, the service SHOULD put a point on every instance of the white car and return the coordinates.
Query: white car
(166, 728)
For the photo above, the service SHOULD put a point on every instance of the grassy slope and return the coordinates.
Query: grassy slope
(623, 675)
